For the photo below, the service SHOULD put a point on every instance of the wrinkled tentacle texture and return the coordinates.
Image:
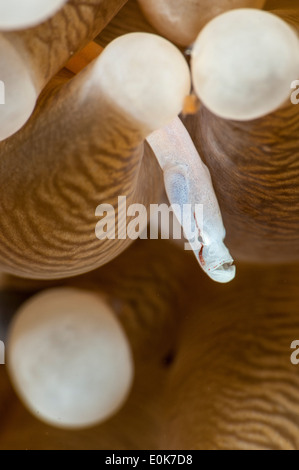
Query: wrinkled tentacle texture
(254, 169)
(53, 177)
(74, 154)
(189, 340)
(225, 352)
(30, 58)
(144, 287)
(181, 20)
(235, 386)
(188, 182)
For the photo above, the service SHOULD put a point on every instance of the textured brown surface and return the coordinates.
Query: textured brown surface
(233, 385)
(213, 362)
(255, 171)
(130, 19)
(182, 20)
(145, 286)
(53, 177)
(48, 46)
(213, 366)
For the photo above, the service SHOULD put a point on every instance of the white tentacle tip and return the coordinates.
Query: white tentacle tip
(21, 14)
(243, 63)
(18, 93)
(69, 359)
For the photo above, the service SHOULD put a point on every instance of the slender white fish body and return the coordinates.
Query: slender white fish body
(190, 191)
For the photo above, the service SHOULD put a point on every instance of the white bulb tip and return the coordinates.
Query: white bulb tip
(69, 359)
(243, 64)
(146, 76)
(21, 14)
(18, 93)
